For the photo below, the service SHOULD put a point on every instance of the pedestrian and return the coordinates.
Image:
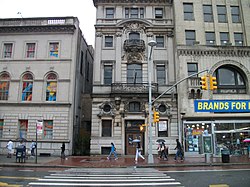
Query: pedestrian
(9, 146)
(112, 151)
(179, 152)
(32, 148)
(63, 150)
(138, 152)
(163, 149)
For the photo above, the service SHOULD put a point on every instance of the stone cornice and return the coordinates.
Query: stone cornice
(127, 2)
(213, 51)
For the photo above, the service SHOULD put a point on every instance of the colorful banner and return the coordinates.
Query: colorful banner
(237, 106)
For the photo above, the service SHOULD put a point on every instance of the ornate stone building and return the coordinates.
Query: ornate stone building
(213, 35)
(120, 81)
(45, 68)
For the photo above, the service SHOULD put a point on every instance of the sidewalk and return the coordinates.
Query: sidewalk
(101, 161)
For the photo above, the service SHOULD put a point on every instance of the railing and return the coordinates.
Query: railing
(133, 88)
(134, 45)
(194, 82)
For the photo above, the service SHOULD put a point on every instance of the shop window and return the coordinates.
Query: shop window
(7, 50)
(30, 50)
(51, 88)
(134, 73)
(106, 128)
(163, 129)
(48, 129)
(4, 86)
(23, 128)
(1, 128)
(230, 81)
(27, 87)
(134, 107)
(54, 49)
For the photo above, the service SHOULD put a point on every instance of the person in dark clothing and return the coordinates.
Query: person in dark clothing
(163, 148)
(179, 150)
(63, 150)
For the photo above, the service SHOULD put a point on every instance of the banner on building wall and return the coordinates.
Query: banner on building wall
(39, 127)
(237, 106)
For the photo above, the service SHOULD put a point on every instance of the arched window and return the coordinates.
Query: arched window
(27, 87)
(134, 73)
(4, 86)
(230, 80)
(51, 87)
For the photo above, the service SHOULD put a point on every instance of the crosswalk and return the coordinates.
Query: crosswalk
(107, 177)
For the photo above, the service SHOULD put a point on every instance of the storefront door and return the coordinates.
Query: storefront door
(132, 131)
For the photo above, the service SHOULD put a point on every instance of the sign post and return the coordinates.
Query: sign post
(39, 130)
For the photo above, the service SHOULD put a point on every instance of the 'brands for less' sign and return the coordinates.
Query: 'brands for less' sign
(222, 106)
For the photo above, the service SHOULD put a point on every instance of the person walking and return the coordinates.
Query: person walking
(179, 150)
(112, 151)
(32, 148)
(163, 149)
(63, 150)
(138, 152)
(9, 146)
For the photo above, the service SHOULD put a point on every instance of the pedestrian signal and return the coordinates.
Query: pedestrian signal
(203, 83)
(213, 83)
(156, 117)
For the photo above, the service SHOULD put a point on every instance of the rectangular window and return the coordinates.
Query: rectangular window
(188, 11)
(108, 41)
(192, 68)
(54, 49)
(108, 69)
(208, 13)
(51, 91)
(4, 86)
(161, 74)
(163, 129)
(27, 91)
(106, 128)
(134, 12)
(222, 13)
(109, 12)
(224, 38)
(30, 50)
(48, 129)
(159, 41)
(235, 12)
(190, 37)
(134, 73)
(210, 38)
(7, 53)
(1, 128)
(238, 39)
(158, 13)
(23, 128)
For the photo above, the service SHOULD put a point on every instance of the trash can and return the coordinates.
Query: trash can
(225, 156)
(245, 151)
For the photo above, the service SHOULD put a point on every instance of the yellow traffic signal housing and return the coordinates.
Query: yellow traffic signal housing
(213, 83)
(203, 83)
(156, 117)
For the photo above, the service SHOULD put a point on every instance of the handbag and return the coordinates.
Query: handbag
(162, 148)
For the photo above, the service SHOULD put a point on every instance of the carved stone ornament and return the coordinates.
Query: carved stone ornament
(99, 34)
(106, 112)
(134, 57)
(134, 27)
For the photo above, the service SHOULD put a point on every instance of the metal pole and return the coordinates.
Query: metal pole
(36, 143)
(150, 154)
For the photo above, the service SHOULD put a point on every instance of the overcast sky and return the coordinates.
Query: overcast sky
(83, 9)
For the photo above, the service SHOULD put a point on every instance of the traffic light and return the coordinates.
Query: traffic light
(212, 82)
(156, 117)
(203, 83)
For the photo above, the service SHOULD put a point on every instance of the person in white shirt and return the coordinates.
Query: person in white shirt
(9, 146)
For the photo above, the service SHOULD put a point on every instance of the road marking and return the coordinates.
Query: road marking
(218, 185)
(9, 185)
(204, 170)
(108, 180)
(23, 178)
(26, 170)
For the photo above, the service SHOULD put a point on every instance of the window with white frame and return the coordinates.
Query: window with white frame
(161, 74)
(48, 129)
(106, 128)
(30, 50)
(188, 11)
(160, 41)
(54, 49)
(208, 13)
(134, 12)
(7, 50)
(222, 13)
(27, 86)
(51, 87)
(108, 41)
(4, 86)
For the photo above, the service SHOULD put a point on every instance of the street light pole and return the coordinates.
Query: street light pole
(151, 43)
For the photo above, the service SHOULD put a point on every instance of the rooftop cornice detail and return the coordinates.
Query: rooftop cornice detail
(213, 51)
(127, 2)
